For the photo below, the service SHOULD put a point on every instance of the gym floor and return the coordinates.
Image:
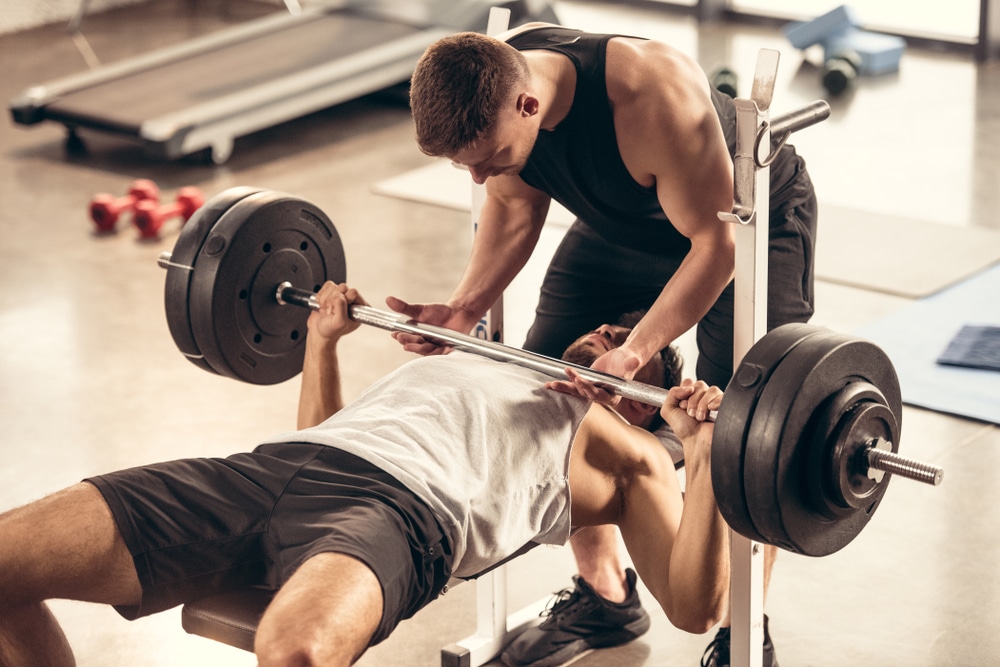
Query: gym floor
(91, 380)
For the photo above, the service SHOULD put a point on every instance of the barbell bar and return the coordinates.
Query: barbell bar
(395, 322)
(876, 460)
(808, 427)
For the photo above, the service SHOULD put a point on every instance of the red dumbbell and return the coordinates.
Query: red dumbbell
(105, 209)
(149, 217)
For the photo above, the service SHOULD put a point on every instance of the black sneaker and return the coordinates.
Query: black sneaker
(579, 619)
(717, 652)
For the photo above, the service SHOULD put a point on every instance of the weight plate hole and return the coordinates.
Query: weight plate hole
(295, 335)
(257, 338)
(243, 295)
(267, 247)
(304, 246)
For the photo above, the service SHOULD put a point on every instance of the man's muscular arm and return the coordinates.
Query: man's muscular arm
(699, 563)
(321, 395)
(509, 225)
(621, 474)
(671, 139)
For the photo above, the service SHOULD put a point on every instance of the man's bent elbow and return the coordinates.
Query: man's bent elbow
(697, 612)
(696, 621)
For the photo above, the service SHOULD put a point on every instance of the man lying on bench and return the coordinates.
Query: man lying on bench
(443, 468)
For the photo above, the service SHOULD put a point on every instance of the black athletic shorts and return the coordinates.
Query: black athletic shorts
(591, 282)
(197, 527)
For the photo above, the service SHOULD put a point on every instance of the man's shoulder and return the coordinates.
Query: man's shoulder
(507, 35)
(636, 62)
(651, 78)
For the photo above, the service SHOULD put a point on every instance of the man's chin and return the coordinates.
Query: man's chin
(579, 357)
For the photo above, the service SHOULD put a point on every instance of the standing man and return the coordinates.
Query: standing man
(628, 135)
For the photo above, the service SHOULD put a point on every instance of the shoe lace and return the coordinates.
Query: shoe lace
(717, 650)
(562, 599)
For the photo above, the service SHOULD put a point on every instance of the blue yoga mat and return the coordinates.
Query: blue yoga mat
(916, 335)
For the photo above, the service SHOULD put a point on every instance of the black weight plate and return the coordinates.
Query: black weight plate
(836, 480)
(765, 433)
(178, 281)
(857, 362)
(218, 315)
(263, 240)
(781, 435)
(733, 421)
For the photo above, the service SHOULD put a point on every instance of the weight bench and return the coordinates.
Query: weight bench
(230, 618)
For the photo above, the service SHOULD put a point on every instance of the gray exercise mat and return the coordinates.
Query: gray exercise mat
(896, 255)
(862, 249)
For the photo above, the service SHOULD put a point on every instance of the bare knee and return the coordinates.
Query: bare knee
(285, 651)
(283, 643)
(325, 615)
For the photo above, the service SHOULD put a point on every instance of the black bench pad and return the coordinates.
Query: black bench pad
(230, 618)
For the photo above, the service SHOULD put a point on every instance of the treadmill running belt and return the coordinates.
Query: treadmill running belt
(126, 103)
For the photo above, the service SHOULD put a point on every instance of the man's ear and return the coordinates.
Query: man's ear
(527, 104)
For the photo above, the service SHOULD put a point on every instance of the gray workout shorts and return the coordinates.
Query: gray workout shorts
(197, 527)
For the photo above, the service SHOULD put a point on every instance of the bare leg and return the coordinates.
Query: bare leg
(325, 615)
(598, 561)
(64, 546)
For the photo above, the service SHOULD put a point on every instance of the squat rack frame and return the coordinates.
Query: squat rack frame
(750, 214)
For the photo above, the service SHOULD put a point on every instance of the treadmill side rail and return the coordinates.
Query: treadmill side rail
(266, 71)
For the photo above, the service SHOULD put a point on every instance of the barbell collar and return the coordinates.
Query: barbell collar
(641, 392)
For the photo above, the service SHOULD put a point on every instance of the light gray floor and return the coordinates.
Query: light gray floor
(90, 380)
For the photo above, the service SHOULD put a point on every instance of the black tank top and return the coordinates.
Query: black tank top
(579, 165)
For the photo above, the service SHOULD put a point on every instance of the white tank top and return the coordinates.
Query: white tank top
(481, 442)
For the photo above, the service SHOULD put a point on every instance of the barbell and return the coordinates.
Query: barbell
(806, 432)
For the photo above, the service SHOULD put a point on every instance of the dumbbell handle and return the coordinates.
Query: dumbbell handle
(637, 391)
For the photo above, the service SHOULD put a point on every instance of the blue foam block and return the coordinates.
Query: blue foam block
(802, 35)
(879, 53)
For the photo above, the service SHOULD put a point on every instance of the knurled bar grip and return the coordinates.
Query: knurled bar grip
(637, 391)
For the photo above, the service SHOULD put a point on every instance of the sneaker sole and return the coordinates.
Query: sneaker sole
(628, 633)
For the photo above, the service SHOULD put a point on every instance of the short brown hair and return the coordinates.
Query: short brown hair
(458, 89)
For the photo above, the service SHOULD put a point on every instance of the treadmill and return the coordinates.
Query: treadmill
(199, 95)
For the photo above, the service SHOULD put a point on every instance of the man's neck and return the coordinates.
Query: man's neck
(553, 81)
